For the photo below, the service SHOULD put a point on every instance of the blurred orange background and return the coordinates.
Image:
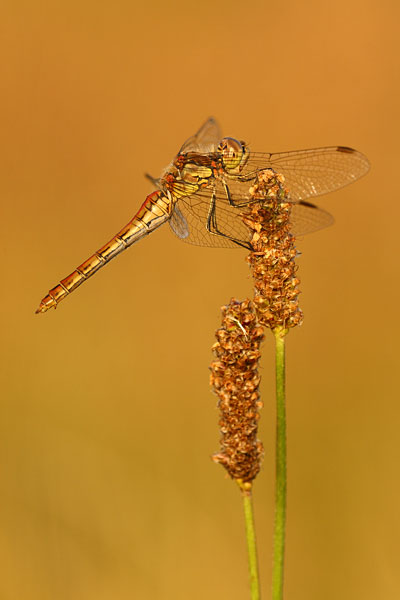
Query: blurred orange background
(107, 420)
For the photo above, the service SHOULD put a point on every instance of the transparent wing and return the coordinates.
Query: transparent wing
(195, 211)
(179, 224)
(307, 218)
(205, 140)
(310, 173)
(191, 215)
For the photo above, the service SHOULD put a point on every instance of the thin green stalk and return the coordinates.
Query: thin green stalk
(251, 542)
(280, 461)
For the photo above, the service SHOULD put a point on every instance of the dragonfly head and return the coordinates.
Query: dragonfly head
(234, 154)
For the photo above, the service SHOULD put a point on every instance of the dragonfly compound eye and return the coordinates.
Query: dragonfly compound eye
(234, 153)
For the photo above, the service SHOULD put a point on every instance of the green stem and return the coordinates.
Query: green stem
(280, 460)
(251, 541)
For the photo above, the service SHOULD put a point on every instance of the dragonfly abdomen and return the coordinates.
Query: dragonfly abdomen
(155, 210)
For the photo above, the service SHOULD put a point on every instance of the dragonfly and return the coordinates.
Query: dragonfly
(203, 192)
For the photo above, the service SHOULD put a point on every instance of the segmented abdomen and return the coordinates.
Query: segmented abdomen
(155, 210)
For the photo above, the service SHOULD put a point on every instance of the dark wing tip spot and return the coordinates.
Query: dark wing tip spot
(309, 204)
(345, 149)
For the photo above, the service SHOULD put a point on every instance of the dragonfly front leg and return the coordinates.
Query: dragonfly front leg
(231, 202)
(212, 224)
(253, 178)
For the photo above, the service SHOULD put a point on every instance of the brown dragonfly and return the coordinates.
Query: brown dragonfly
(203, 192)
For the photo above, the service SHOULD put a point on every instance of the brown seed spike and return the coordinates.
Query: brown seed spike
(235, 379)
(273, 253)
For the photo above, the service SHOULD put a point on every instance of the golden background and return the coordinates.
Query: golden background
(107, 419)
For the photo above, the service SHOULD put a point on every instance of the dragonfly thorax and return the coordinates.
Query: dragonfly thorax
(193, 173)
(187, 180)
(234, 154)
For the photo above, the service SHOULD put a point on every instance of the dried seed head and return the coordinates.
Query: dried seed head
(273, 252)
(235, 379)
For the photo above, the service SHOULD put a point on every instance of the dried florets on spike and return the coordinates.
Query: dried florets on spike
(273, 252)
(235, 379)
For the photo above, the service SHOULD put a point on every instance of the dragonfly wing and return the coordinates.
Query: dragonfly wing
(196, 209)
(307, 173)
(179, 224)
(205, 140)
(310, 173)
(194, 212)
(307, 218)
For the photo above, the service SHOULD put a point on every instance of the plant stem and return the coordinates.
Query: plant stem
(251, 541)
(280, 462)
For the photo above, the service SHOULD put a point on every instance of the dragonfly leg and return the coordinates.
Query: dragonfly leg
(212, 225)
(229, 197)
(252, 176)
(154, 180)
(232, 202)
